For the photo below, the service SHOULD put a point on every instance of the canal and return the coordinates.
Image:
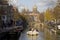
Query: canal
(24, 36)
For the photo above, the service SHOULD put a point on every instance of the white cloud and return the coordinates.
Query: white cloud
(21, 7)
(13, 2)
(42, 4)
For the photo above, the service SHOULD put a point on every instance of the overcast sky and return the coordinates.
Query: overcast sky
(42, 5)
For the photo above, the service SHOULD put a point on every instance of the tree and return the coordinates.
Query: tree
(57, 12)
(16, 14)
(48, 15)
(41, 17)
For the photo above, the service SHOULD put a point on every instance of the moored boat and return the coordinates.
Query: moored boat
(33, 33)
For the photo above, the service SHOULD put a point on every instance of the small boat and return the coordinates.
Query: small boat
(33, 33)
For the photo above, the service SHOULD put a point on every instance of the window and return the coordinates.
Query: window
(4, 17)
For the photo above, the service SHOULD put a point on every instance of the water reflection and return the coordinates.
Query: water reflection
(32, 37)
(24, 36)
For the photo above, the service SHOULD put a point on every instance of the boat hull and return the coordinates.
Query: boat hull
(31, 33)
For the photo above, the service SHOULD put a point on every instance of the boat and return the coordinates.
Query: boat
(32, 32)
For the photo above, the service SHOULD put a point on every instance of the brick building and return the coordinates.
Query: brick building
(6, 11)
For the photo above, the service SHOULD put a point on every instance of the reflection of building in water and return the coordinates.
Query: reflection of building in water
(32, 17)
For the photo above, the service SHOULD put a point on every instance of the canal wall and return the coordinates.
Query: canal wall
(51, 33)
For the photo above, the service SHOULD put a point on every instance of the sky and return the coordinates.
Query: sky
(42, 5)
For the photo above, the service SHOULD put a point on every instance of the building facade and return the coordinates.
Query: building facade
(33, 17)
(6, 11)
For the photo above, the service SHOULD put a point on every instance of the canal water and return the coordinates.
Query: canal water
(24, 36)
